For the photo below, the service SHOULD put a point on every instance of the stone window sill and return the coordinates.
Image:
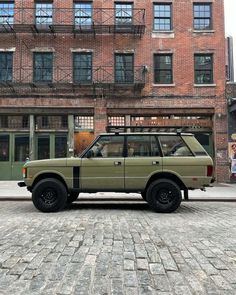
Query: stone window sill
(204, 85)
(163, 85)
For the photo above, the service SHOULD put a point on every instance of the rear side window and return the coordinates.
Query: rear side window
(195, 146)
(142, 146)
(174, 146)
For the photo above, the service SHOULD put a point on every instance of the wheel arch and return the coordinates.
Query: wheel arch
(48, 175)
(166, 175)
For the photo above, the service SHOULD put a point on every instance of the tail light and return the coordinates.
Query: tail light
(209, 170)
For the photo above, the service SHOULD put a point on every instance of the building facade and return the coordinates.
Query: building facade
(73, 69)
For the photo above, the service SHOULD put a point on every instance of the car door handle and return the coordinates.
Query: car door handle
(117, 163)
(155, 163)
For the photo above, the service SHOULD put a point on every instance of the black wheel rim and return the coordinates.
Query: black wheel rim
(165, 196)
(49, 196)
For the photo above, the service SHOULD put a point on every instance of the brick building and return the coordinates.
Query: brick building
(73, 69)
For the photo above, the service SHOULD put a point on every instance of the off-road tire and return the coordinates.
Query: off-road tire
(72, 196)
(49, 195)
(164, 196)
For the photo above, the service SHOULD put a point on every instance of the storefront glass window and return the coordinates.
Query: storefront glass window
(21, 148)
(43, 148)
(4, 147)
(60, 146)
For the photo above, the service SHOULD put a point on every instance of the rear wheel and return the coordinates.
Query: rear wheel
(72, 196)
(164, 196)
(49, 195)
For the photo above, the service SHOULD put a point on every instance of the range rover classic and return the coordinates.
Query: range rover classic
(159, 166)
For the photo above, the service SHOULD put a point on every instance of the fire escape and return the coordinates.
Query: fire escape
(49, 22)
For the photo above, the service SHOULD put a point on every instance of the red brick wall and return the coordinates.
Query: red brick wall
(183, 43)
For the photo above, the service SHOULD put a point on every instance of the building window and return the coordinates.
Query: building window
(116, 121)
(82, 67)
(163, 69)
(124, 68)
(84, 122)
(21, 148)
(3, 121)
(123, 13)
(43, 147)
(25, 121)
(203, 67)
(162, 17)
(83, 13)
(43, 67)
(60, 146)
(64, 121)
(6, 13)
(45, 122)
(6, 62)
(44, 12)
(4, 147)
(202, 16)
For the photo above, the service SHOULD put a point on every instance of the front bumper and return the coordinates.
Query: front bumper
(21, 184)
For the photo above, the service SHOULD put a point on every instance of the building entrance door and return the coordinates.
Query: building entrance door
(5, 159)
(14, 151)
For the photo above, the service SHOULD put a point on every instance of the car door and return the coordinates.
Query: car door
(142, 160)
(102, 167)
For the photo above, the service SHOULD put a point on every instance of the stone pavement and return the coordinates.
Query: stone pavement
(118, 246)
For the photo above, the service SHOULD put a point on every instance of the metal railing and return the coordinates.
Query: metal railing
(72, 20)
(102, 75)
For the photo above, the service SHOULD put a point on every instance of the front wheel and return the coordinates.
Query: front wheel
(49, 195)
(164, 196)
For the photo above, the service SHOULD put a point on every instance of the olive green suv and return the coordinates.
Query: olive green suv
(157, 165)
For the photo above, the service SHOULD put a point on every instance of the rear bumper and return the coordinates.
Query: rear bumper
(21, 184)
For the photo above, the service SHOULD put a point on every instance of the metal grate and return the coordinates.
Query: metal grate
(84, 122)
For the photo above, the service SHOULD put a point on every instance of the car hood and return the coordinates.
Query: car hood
(47, 163)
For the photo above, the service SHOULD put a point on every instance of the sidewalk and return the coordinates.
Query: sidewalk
(9, 190)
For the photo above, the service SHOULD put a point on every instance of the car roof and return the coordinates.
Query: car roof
(147, 133)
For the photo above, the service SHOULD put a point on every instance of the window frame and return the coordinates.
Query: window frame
(202, 18)
(79, 68)
(44, 10)
(6, 55)
(170, 4)
(156, 55)
(174, 154)
(97, 148)
(132, 151)
(90, 17)
(122, 17)
(200, 70)
(125, 72)
(43, 68)
(9, 15)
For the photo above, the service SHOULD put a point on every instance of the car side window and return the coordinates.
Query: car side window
(107, 147)
(142, 146)
(174, 146)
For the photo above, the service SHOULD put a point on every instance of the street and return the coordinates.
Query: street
(118, 247)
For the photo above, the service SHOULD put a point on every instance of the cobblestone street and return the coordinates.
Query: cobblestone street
(118, 248)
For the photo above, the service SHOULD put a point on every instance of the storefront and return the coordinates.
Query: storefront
(41, 137)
